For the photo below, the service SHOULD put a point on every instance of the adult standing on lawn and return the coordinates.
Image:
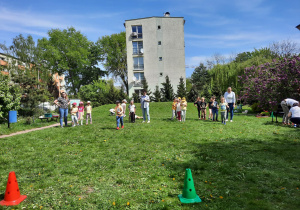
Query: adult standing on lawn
(63, 103)
(145, 99)
(286, 104)
(294, 113)
(230, 100)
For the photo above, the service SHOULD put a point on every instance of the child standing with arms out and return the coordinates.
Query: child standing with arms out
(203, 106)
(88, 109)
(74, 111)
(210, 108)
(119, 115)
(223, 109)
(174, 108)
(80, 112)
(215, 108)
(178, 109)
(183, 109)
(131, 108)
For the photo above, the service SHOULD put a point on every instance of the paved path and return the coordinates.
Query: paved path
(27, 131)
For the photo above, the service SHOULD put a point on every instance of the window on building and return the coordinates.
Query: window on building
(137, 32)
(158, 27)
(137, 48)
(159, 42)
(160, 58)
(139, 76)
(138, 63)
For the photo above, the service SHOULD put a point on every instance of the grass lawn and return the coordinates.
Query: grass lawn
(21, 125)
(248, 164)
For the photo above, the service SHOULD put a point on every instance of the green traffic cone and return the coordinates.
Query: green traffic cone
(189, 193)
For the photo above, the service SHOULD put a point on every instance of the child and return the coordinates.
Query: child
(178, 109)
(74, 111)
(124, 107)
(203, 106)
(119, 114)
(223, 109)
(80, 112)
(210, 109)
(183, 109)
(131, 108)
(215, 108)
(197, 104)
(88, 109)
(174, 108)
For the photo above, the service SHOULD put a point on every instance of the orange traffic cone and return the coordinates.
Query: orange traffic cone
(12, 195)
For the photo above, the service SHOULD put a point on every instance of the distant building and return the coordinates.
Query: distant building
(155, 49)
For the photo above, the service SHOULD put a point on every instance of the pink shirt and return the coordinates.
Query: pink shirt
(80, 108)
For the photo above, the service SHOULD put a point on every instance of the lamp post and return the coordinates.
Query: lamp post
(298, 26)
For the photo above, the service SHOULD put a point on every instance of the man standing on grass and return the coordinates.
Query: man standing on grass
(145, 99)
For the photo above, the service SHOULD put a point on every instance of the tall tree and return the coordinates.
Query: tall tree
(67, 52)
(181, 90)
(200, 77)
(193, 94)
(114, 52)
(146, 86)
(167, 91)
(157, 94)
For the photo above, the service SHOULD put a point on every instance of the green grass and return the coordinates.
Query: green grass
(21, 125)
(251, 163)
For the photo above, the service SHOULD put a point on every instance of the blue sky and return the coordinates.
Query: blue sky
(212, 27)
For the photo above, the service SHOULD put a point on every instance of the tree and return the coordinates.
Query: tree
(200, 77)
(285, 48)
(157, 94)
(181, 91)
(114, 51)
(146, 86)
(167, 91)
(10, 96)
(264, 83)
(193, 94)
(189, 84)
(69, 52)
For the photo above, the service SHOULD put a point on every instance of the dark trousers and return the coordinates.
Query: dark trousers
(215, 112)
(230, 110)
(295, 120)
(199, 110)
(132, 117)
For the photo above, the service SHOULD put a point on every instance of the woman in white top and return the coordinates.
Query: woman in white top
(230, 100)
(294, 113)
(285, 104)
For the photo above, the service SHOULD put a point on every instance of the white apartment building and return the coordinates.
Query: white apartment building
(155, 49)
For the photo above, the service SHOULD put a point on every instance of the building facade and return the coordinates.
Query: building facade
(155, 49)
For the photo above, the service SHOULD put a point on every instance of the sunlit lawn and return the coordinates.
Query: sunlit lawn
(248, 164)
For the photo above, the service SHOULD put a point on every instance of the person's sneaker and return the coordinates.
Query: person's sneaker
(122, 126)
(118, 128)
(226, 120)
(230, 120)
(224, 123)
(62, 126)
(148, 121)
(143, 121)
(199, 118)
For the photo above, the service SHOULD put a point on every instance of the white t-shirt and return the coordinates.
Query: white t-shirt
(124, 107)
(290, 101)
(145, 104)
(178, 108)
(131, 108)
(295, 111)
(229, 97)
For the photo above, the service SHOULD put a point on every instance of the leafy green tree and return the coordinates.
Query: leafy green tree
(200, 77)
(167, 91)
(189, 84)
(10, 96)
(192, 94)
(157, 94)
(114, 51)
(181, 90)
(113, 93)
(68, 52)
(146, 86)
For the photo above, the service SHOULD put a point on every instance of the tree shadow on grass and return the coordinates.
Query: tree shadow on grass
(250, 173)
(2, 196)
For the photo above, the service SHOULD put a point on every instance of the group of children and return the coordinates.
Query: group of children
(77, 113)
(179, 107)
